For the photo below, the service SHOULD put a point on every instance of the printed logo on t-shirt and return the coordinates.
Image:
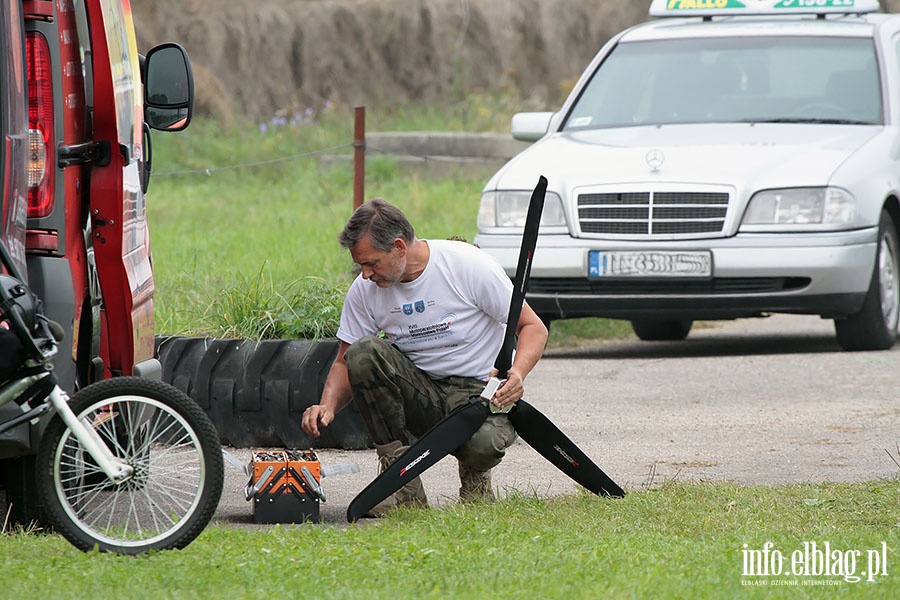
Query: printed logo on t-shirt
(415, 334)
(435, 331)
(418, 305)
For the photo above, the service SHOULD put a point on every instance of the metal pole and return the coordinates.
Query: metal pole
(359, 155)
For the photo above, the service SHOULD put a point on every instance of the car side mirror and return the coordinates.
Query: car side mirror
(168, 88)
(530, 126)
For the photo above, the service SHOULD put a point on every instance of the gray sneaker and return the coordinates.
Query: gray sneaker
(411, 494)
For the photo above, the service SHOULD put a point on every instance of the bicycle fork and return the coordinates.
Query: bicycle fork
(115, 468)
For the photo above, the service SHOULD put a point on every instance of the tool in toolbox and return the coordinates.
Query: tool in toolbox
(285, 485)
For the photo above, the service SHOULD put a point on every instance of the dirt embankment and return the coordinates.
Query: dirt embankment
(252, 59)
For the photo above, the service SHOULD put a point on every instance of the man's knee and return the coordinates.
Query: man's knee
(363, 347)
(487, 447)
(363, 356)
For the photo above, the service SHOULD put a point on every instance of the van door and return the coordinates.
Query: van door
(13, 132)
(118, 213)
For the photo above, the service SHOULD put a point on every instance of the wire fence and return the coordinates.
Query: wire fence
(323, 151)
(210, 170)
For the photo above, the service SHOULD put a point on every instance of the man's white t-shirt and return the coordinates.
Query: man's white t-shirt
(449, 321)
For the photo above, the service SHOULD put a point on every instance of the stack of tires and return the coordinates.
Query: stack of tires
(255, 392)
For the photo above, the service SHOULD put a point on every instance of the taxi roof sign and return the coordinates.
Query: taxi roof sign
(714, 8)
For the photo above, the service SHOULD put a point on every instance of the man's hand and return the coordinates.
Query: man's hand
(510, 391)
(532, 339)
(316, 417)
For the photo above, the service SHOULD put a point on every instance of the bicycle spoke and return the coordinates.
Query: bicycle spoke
(166, 440)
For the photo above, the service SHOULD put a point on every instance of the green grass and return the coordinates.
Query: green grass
(213, 232)
(243, 251)
(677, 540)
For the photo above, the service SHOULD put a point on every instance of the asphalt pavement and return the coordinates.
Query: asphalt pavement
(757, 401)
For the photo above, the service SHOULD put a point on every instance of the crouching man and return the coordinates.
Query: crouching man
(420, 329)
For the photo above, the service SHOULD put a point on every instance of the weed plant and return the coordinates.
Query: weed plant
(259, 308)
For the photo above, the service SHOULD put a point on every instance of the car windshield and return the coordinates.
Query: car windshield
(733, 80)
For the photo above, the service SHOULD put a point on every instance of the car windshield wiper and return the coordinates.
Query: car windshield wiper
(813, 120)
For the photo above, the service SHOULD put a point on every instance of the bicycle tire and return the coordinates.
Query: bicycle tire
(172, 446)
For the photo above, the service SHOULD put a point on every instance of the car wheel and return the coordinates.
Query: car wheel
(659, 330)
(874, 327)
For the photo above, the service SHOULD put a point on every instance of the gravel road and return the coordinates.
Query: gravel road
(762, 401)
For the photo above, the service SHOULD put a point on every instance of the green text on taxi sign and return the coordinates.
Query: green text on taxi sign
(693, 4)
(780, 4)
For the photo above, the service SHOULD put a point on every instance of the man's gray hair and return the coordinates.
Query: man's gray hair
(382, 221)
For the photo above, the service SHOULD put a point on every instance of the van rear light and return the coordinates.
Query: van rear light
(37, 158)
(41, 141)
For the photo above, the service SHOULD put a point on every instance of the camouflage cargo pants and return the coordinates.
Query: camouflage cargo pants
(394, 397)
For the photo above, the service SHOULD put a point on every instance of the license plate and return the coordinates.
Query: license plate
(619, 263)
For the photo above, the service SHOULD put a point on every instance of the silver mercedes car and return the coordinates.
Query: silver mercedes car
(724, 160)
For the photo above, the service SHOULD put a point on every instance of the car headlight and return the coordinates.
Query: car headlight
(509, 208)
(817, 209)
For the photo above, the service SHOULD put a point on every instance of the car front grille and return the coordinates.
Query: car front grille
(663, 214)
(663, 287)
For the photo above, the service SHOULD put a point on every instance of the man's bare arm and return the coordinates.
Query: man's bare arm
(336, 395)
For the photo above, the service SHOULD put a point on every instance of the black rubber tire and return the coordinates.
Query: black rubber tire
(546, 320)
(255, 392)
(653, 330)
(171, 444)
(870, 328)
(22, 503)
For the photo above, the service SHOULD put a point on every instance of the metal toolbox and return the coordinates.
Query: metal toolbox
(285, 486)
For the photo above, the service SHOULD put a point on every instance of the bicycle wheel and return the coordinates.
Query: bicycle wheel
(174, 450)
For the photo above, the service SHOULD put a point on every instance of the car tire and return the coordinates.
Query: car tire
(659, 330)
(874, 326)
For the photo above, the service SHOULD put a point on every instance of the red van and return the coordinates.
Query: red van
(77, 103)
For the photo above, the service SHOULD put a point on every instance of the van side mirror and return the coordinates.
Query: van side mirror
(168, 88)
